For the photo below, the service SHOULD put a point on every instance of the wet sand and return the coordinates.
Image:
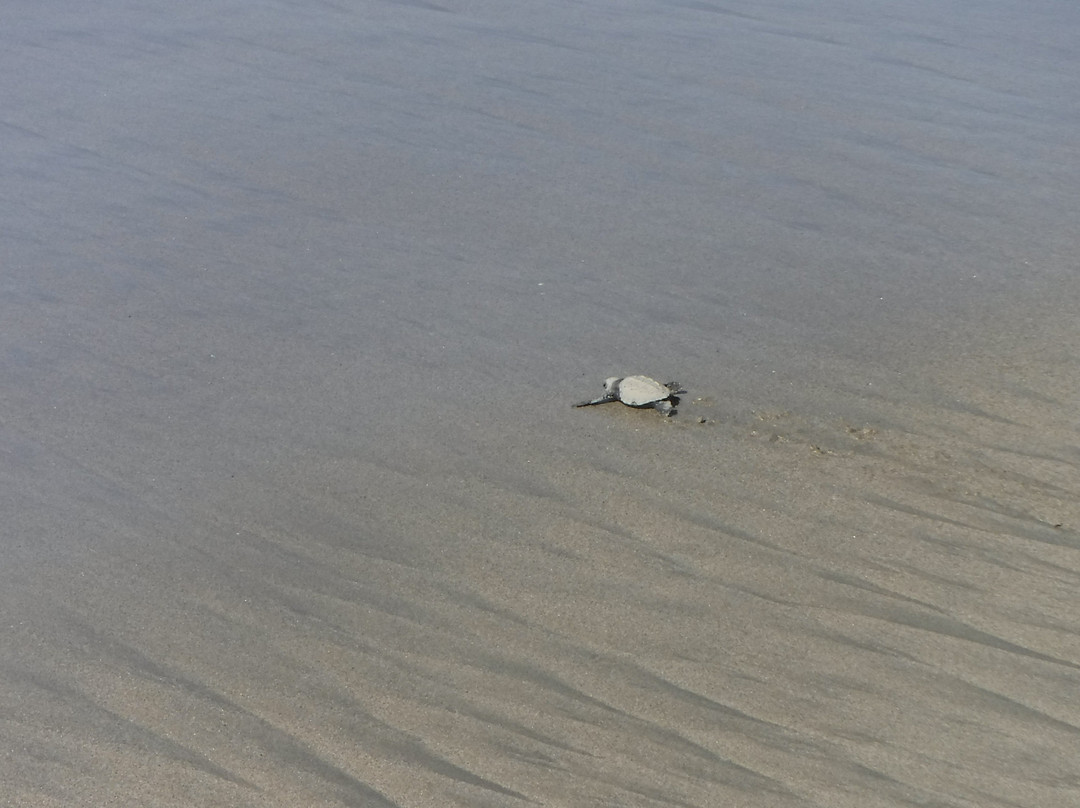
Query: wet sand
(297, 512)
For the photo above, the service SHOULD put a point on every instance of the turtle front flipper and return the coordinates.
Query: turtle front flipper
(602, 400)
(665, 407)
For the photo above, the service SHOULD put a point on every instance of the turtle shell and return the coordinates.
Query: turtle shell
(641, 391)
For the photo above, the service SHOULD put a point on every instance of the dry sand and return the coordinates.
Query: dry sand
(296, 300)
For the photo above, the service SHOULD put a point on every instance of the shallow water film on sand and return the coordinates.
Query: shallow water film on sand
(296, 298)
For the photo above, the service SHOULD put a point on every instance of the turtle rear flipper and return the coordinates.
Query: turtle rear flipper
(665, 408)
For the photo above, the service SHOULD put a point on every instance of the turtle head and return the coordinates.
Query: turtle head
(612, 385)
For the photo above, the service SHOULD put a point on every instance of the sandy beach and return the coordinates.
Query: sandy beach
(297, 298)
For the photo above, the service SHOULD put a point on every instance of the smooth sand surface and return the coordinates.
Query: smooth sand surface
(296, 298)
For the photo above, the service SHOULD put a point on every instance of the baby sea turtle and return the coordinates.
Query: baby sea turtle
(639, 391)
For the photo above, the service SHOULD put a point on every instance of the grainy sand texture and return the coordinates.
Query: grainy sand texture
(295, 298)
